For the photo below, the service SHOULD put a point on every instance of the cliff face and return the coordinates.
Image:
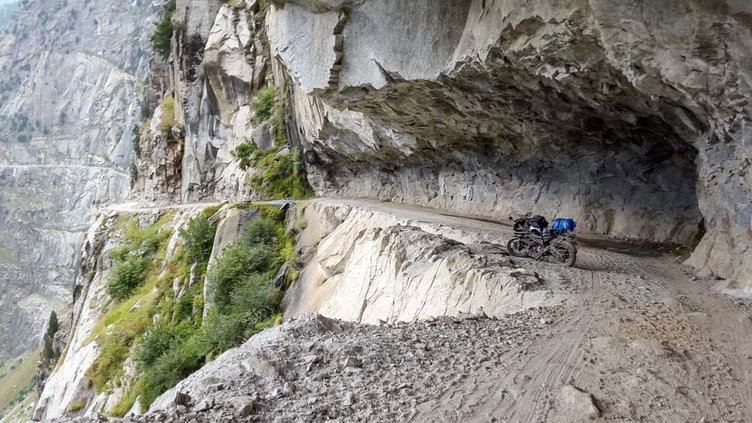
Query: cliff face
(219, 60)
(69, 101)
(631, 118)
(71, 380)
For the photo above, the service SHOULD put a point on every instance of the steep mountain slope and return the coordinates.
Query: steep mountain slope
(69, 102)
(448, 116)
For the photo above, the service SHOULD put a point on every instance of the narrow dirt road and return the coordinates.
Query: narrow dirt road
(136, 207)
(635, 339)
(636, 333)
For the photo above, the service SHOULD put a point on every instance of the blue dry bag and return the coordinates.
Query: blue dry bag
(564, 225)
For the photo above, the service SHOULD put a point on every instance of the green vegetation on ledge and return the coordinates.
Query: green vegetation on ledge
(136, 288)
(279, 171)
(168, 118)
(265, 100)
(157, 322)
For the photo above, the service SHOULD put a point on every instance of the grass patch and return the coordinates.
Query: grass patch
(137, 257)
(19, 380)
(168, 117)
(280, 174)
(77, 405)
(198, 236)
(264, 104)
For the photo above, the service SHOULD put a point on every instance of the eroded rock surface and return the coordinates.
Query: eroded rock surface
(373, 265)
(632, 118)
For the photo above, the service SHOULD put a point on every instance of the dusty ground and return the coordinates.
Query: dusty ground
(636, 339)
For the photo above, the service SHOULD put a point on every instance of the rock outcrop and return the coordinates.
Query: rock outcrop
(220, 59)
(70, 382)
(369, 265)
(69, 101)
(632, 118)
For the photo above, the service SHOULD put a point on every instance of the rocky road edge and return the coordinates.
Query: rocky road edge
(320, 369)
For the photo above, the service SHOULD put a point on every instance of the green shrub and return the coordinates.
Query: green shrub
(273, 213)
(264, 104)
(261, 231)
(256, 296)
(172, 367)
(126, 277)
(148, 239)
(235, 264)
(199, 238)
(133, 259)
(187, 303)
(161, 39)
(168, 118)
(76, 406)
(248, 155)
(155, 342)
(281, 175)
(225, 331)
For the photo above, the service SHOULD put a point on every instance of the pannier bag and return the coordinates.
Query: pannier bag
(564, 225)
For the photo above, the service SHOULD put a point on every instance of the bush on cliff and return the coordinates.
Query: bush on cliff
(126, 277)
(134, 259)
(262, 231)
(264, 104)
(280, 172)
(236, 264)
(161, 39)
(168, 117)
(199, 239)
(175, 341)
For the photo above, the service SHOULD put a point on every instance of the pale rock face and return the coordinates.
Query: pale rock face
(368, 266)
(221, 63)
(68, 382)
(632, 118)
(69, 101)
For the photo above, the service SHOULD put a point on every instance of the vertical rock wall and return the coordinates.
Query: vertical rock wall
(219, 61)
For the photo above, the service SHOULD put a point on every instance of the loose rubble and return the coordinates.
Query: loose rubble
(318, 369)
